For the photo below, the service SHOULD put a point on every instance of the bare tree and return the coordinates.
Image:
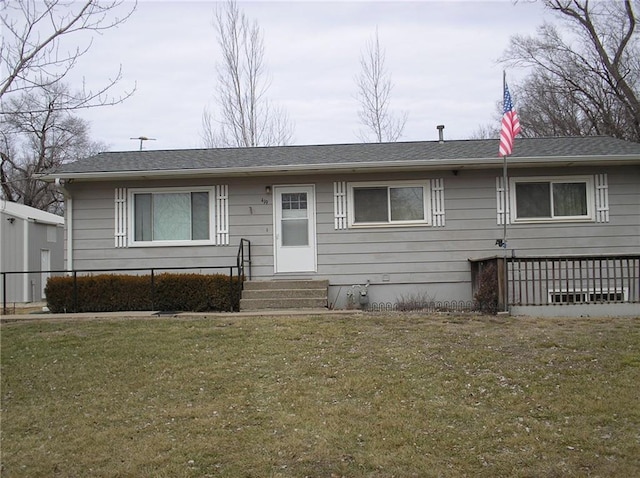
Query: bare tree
(374, 95)
(37, 128)
(587, 83)
(245, 117)
(487, 131)
(32, 51)
(38, 133)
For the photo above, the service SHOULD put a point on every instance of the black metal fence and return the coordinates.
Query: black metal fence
(232, 271)
(540, 280)
(242, 269)
(574, 280)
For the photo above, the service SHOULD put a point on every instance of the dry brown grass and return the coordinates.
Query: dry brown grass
(363, 396)
(22, 308)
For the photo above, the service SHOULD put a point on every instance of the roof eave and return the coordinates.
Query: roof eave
(377, 166)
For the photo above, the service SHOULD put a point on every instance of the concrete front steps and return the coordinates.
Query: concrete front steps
(284, 294)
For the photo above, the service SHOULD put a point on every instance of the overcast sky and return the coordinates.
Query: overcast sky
(442, 56)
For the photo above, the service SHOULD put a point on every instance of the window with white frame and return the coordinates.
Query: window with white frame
(172, 215)
(380, 204)
(543, 199)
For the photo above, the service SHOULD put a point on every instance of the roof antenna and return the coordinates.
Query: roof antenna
(143, 138)
(440, 129)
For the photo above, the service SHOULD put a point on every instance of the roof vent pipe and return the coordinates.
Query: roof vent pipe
(440, 128)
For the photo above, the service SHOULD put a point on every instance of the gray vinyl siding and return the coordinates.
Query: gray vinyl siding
(423, 255)
(621, 235)
(94, 228)
(432, 259)
(433, 256)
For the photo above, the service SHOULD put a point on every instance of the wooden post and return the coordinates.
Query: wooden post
(503, 294)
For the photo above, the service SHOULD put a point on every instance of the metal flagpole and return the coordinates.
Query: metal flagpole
(505, 198)
(504, 173)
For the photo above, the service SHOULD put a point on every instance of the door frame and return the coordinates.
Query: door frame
(310, 189)
(45, 268)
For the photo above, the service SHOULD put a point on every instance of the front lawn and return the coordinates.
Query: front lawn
(355, 396)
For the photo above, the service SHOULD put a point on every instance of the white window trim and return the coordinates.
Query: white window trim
(437, 202)
(503, 208)
(121, 213)
(426, 197)
(212, 216)
(602, 198)
(340, 205)
(590, 216)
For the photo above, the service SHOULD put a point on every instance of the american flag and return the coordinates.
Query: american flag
(510, 125)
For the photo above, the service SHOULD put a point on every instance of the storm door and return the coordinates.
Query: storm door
(294, 229)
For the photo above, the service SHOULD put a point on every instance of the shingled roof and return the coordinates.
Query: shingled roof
(463, 153)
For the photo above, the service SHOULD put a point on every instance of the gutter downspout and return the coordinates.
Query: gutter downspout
(68, 220)
(25, 260)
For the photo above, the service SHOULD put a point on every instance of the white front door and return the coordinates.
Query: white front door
(294, 228)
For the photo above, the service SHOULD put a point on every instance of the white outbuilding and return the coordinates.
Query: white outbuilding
(31, 246)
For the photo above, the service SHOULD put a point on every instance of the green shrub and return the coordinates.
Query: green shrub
(112, 293)
(59, 293)
(196, 292)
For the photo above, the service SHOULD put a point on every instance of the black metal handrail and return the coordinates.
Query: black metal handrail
(243, 258)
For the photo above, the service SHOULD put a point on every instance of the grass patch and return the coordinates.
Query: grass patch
(365, 396)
